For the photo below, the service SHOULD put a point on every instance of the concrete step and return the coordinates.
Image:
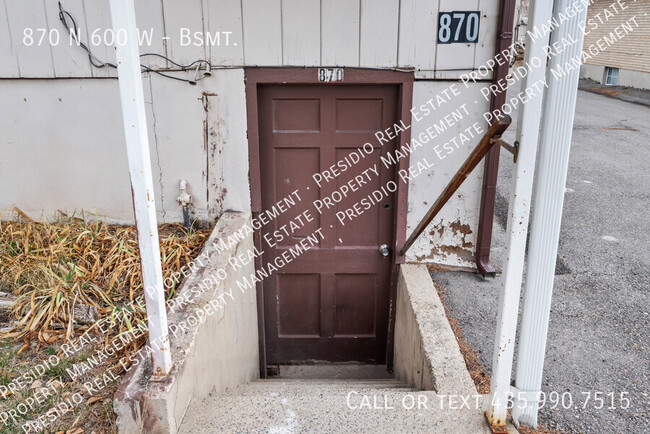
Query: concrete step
(378, 383)
(359, 406)
(319, 387)
(353, 371)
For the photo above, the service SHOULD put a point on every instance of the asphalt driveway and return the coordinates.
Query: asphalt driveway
(599, 337)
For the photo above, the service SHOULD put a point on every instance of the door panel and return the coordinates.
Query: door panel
(355, 307)
(331, 303)
(362, 230)
(298, 293)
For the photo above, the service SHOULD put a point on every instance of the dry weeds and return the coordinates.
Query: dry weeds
(54, 266)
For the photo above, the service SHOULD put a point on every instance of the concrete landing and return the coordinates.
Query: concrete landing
(352, 371)
(350, 406)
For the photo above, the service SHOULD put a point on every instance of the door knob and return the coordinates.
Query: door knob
(384, 250)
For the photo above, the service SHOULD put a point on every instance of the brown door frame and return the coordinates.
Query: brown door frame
(257, 76)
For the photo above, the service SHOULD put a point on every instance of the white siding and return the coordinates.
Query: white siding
(185, 15)
(69, 60)
(417, 35)
(98, 19)
(56, 153)
(367, 33)
(225, 15)
(9, 63)
(379, 28)
(340, 33)
(301, 32)
(34, 60)
(149, 17)
(262, 32)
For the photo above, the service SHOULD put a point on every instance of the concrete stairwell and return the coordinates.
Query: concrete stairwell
(366, 404)
(213, 386)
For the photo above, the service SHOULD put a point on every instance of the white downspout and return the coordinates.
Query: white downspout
(552, 165)
(518, 212)
(137, 146)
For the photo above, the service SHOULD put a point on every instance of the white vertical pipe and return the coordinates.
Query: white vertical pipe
(553, 162)
(137, 146)
(518, 212)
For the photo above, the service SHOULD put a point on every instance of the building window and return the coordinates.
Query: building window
(611, 76)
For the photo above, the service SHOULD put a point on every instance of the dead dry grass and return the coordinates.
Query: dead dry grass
(474, 366)
(54, 266)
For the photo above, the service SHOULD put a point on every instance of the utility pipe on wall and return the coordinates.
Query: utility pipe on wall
(491, 167)
(184, 200)
(518, 213)
(552, 166)
(137, 146)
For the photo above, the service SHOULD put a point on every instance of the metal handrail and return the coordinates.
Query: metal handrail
(491, 137)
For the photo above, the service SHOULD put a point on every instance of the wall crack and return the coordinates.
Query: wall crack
(155, 141)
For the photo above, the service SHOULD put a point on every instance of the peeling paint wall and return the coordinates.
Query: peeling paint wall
(450, 240)
(64, 150)
(63, 147)
(227, 144)
(63, 144)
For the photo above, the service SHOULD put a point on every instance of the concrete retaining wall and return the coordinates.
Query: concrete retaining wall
(218, 352)
(427, 355)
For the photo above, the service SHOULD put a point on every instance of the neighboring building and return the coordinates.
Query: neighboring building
(620, 60)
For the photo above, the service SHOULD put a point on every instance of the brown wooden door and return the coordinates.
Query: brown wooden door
(332, 302)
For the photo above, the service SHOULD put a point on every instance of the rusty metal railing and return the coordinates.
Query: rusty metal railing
(491, 137)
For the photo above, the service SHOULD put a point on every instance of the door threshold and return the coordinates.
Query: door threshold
(332, 372)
